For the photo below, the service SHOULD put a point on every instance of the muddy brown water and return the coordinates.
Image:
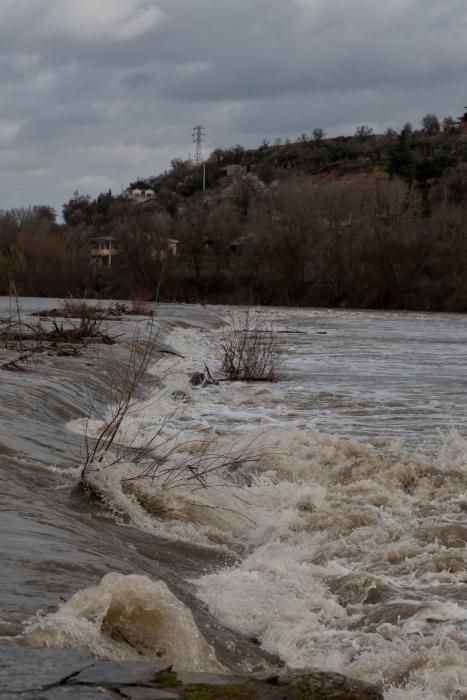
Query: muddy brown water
(380, 382)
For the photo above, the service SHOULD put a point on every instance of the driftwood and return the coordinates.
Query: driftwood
(54, 350)
(290, 331)
(13, 366)
(164, 351)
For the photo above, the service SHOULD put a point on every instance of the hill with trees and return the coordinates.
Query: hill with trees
(368, 221)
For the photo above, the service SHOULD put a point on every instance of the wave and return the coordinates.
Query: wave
(127, 617)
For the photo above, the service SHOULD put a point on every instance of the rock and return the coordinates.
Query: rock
(113, 674)
(198, 379)
(66, 692)
(203, 379)
(23, 670)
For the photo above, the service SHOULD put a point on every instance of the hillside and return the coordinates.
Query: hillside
(370, 221)
(414, 155)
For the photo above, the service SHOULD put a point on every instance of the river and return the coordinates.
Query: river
(334, 538)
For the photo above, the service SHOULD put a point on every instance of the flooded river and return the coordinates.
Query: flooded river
(333, 537)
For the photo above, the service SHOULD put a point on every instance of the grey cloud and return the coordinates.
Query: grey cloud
(344, 46)
(105, 92)
(59, 121)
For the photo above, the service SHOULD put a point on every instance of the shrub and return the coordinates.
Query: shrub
(72, 308)
(251, 350)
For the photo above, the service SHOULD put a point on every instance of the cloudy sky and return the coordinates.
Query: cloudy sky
(95, 93)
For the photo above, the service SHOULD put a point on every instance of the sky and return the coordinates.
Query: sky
(96, 93)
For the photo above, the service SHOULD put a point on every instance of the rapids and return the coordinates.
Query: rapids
(341, 545)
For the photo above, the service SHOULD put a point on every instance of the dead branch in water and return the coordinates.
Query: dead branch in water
(141, 354)
(14, 365)
(38, 337)
(191, 465)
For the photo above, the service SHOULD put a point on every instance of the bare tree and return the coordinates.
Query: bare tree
(223, 228)
(144, 251)
(191, 231)
(449, 124)
(363, 132)
(430, 124)
(47, 261)
(318, 134)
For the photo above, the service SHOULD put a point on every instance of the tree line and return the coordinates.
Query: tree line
(389, 237)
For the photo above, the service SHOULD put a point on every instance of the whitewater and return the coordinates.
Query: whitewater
(334, 538)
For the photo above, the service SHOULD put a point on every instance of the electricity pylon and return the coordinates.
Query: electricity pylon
(199, 135)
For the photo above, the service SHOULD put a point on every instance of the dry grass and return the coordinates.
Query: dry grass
(251, 350)
(76, 309)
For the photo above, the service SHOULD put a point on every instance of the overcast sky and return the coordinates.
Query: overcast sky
(95, 93)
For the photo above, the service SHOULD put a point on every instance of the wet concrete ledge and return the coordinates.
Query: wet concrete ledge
(66, 674)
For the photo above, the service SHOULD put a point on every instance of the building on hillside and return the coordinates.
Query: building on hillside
(103, 249)
(163, 248)
(463, 121)
(172, 246)
(139, 195)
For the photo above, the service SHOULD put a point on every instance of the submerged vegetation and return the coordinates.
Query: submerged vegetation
(251, 350)
(63, 338)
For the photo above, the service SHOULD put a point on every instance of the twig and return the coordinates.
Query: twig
(12, 365)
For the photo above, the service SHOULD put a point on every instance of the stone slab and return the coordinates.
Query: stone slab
(67, 693)
(117, 673)
(58, 674)
(23, 670)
